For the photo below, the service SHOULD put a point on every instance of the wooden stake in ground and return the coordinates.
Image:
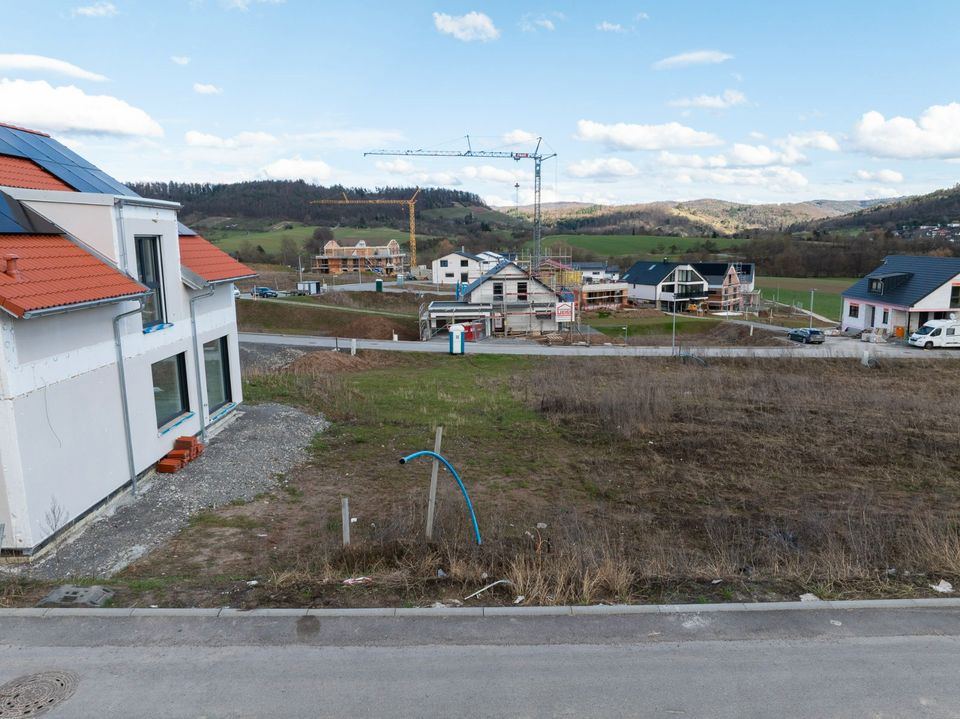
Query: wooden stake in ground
(432, 505)
(345, 518)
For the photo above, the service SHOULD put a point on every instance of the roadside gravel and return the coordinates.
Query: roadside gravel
(239, 463)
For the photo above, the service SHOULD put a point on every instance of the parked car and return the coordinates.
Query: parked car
(263, 292)
(807, 335)
(378, 270)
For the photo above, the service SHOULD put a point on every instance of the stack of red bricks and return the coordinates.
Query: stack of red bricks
(185, 450)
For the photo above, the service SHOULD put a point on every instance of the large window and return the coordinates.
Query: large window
(854, 311)
(149, 273)
(498, 292)
(170, 388)
(464, 263)
(955, 296)
(521, 291)
(216, 364)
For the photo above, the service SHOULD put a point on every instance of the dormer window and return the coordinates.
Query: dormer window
(876, 287)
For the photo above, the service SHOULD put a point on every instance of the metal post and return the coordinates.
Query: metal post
(624, 328)
(536, 214)
(345, 519)
(432, 504)
(812, 290)
(673, 341)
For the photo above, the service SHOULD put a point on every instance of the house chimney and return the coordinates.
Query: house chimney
(11, 266)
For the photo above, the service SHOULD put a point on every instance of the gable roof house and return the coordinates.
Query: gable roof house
(118, 335)
(355, 255)
(669, 286)
(727, 282)
(507, 298)
(902, 294)
(458, 267)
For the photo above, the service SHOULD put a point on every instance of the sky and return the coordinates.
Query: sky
(641, 101)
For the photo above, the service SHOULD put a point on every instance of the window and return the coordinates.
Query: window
(443, 263)
(216, 365)
(886, 317)
(464, 263)
(951, 331)
(955, 296)
(854, 311)
(149, 274)
(464, 276)
(876, 287)
(521, 291)
(170, 388)
(448, 275)
(498, 292)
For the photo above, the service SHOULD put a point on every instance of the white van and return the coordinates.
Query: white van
(937, 333)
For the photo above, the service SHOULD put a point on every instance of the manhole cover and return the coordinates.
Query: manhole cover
(36, 694)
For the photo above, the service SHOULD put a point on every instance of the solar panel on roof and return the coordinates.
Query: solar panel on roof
(60, 161)
(7, 224)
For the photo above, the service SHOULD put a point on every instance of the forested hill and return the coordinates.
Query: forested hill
(290, 200)
(941, 207)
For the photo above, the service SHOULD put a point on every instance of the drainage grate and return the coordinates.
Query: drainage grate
(36, 694)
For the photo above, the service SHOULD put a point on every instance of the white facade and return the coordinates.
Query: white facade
(861, 314)
(520, 303)
(681, 285)
(65, 438)
(457, 267)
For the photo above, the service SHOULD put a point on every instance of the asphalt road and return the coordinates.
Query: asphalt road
(833, 347)
(822, 663)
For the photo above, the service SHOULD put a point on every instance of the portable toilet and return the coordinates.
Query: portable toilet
(457, 339)
(379, 285)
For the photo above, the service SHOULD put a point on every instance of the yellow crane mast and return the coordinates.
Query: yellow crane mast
(411, 206)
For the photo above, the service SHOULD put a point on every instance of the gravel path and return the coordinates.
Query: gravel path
(239, 463)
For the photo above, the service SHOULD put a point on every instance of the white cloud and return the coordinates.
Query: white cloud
(610, 27)
(40, 63)
(817, 140)
(519, 137)
(627, 136)
(37, 104)
(936, 134)
(296, 168)
(532, 23)
(729, 98)
(472, 26)
(98, 9)
(757, 135)
(180, 59)
(760, 155)
(641, 16)
(396, 167)
(244, 5)
(670, 159)
(697, 57)
(602, 168)
(407, 169)
(243, 139)
(206, 89)
(782, 180)
(493, 174)
(889, 176)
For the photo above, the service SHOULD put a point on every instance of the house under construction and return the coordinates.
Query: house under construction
(357, 256)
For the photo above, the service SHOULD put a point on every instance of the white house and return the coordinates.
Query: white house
(597, 271)
(903, 293)
(668, 286)
(118, 335)
(462, 267)
(507, 298)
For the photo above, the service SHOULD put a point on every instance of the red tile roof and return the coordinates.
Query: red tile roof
(21, 172)
(211, 263)
(55, 272)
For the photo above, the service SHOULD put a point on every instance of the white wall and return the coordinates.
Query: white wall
(454, 269)
(939, 299)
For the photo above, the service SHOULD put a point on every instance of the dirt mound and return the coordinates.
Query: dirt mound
(331, 361)
(374, 327)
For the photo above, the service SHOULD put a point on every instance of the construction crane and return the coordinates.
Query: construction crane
(411, 206)
(494, 154)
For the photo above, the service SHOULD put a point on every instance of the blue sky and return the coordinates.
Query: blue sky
(642, 101)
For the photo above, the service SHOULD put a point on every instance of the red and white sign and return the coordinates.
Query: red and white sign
(565, 312)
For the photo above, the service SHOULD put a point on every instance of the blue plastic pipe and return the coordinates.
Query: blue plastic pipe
(473, 517)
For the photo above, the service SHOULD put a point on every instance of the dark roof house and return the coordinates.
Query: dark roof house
(904, 280)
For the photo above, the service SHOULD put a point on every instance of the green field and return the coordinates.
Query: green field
(480, 214)
(619, 245)
(613, 326)
(269, 240)
(794, 290)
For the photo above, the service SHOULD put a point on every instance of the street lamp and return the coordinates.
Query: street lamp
(624, 328)
(812, 290)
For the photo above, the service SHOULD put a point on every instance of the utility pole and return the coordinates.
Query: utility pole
(812, 290)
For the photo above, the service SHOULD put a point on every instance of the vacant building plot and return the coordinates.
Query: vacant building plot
(593, 480)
